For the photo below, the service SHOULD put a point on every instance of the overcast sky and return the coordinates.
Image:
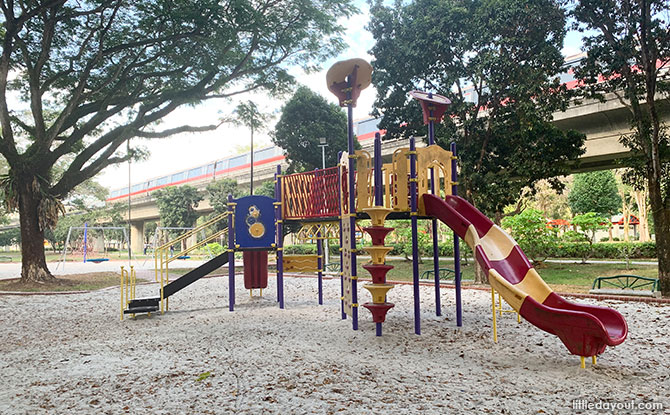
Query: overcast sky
(192, 149)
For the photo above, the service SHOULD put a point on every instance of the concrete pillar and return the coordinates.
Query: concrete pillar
(137, 237)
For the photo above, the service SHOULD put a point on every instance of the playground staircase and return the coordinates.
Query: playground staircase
(132, 305)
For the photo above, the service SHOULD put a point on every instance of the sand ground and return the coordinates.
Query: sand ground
(71, 354)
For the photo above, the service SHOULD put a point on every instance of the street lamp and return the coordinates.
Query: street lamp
(323, 145)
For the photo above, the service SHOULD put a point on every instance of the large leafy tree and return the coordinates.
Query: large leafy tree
(89, 75)
(628, 47)
(306, 118)
(595, 192)
(497, 61)
(177, 204)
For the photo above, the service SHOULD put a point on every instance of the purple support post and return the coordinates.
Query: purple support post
(280, 238)
(85, 240)
(352, 201)
(436, 249)
(319, 264)
(457, 251)
(339, 190)
(231, 255)
(415, 235)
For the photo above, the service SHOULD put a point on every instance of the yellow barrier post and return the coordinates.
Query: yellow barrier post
(583, 365)
(493, 306)
(122, 302)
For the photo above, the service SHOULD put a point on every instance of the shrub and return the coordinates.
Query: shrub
(530, 230)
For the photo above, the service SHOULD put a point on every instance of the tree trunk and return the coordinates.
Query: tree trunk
(661, 216)
(641, 200)
(480, 276)
(33, 260)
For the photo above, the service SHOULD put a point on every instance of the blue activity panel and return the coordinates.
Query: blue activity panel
(255, 222)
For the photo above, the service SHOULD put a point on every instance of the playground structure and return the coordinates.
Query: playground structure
(90, 246)
(418, 184)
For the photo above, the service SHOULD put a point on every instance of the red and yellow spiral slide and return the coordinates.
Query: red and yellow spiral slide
(584, 329)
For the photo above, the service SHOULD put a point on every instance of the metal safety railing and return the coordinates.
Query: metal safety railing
(128, 281)
(162, 256)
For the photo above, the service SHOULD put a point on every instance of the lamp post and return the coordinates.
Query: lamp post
(323, 145)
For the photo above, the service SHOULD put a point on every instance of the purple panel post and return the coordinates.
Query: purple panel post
(415, 235)
(379, 201)
(231, 255)
(436, 249)
(339, 191)
(319, 264)
(280, 239)
(457, 251)
(352, 202)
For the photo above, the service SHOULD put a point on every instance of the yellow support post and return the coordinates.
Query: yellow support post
(583, 365)
(122, 302)
(500, 305)
(593, 360)
(493, 307)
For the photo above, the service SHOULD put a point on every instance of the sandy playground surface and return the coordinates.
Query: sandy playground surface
(71, 354)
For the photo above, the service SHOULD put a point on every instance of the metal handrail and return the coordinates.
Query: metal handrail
(199, 244)
(195, 230)
(128, 282)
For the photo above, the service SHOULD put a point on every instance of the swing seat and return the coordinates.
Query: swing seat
(183, 257)
(97, 260)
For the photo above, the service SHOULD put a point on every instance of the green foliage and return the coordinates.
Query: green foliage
(94, 74)
(603, 250)
(506, 55)
(627, 45)
(176, 205)
(215, 248)
(149, 231)
(266, 189)
(530, 230)
(595, 192)
(588, 224)
(10, 237)
(219, 190)
(305, 118)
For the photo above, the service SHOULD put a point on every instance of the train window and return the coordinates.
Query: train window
(151, 183)
(161, 181)
(178, 177)
(367, 126)
(210, 169)
(137, 187)
(195, 172)
(114, 193)
(237, 161)
(221, 165)
(123, 191)
(263, 154)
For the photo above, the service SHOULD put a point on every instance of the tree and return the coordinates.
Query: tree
(90, 75)
(587, 225)
(176, 206)
(219, 190)
(628, 52)
(305, 118)
(497, 61)
(530, 230)
(595, 192)
(267, 189)
(248, 115)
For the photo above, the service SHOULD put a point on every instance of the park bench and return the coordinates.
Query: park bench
(5, 259)
(627, 285)
(445, 274)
